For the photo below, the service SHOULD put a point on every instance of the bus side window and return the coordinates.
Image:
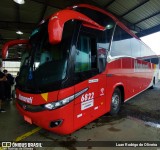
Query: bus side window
(155, 60)
(121, 43)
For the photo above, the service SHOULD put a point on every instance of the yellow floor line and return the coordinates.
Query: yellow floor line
(24, 136)
(27, 134)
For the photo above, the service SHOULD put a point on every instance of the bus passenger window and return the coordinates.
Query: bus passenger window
(121, 43)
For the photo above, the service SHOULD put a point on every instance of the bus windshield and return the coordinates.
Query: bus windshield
(43, 65)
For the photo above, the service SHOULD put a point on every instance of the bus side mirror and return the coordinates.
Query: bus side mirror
(57, 21)
(55, 30)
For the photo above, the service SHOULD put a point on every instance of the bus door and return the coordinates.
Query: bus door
(88, 80)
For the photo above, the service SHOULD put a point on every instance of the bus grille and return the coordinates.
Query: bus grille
(29, 107)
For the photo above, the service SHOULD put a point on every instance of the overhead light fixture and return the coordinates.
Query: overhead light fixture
(19, 32)
(19, 1)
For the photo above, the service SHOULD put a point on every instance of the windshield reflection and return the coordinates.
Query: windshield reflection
(44, 65)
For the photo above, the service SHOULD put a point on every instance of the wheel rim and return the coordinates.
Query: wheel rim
(115, 101)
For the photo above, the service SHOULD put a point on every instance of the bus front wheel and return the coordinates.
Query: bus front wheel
(153, 84)
(116, 101)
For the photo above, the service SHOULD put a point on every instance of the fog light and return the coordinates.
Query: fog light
(55, 123)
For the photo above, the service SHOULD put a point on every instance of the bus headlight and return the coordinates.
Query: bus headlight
(60, 103)
(57, 104)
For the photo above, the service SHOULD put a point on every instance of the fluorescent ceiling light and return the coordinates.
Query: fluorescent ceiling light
(19, 32)
(19, 1)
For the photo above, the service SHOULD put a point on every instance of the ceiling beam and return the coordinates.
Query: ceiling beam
(134, 8)
(110, 3)
(127, 23)
(90, 2)
(130, 25)
(155, 14)
(13, 26)
(60, 4)
(17, 13)
(17, 18)
(149, 31)
(43, 11)
(6, 40)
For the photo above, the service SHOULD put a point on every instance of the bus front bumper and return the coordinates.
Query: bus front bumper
(59, 120)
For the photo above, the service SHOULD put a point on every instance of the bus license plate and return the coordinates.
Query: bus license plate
(26, 118)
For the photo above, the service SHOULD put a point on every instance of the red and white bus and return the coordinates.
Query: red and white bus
(81, 63)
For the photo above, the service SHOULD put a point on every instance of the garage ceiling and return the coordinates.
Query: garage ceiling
(141, 16)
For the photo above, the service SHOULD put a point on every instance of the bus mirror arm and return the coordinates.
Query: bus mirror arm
(9, 44)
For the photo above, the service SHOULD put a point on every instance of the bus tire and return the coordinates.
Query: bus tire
(116, 102)
(153, 84)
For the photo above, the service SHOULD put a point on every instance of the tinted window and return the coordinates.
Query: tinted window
(83, 54)
(102, 38)
(155, 60)
(45, 67)
(136, 48)
(146, 51)
(148, 55)
(92, 49)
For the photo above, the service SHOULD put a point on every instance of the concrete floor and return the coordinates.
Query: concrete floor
(139, 120)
